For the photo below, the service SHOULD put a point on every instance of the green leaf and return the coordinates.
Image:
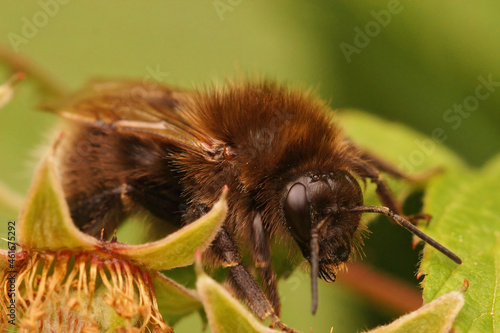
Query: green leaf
(45, 222)
(412, 152)
(435, 317)
(178, 248)
(225, 313)
(174, 300)
(466, 219)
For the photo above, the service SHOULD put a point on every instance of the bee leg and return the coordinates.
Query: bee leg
(366, 170)
(385, 195)
(383, 165)
(242, 282)
(100, 211)
(391, 169)
(162, 203)
(261, 254)
(240, 279)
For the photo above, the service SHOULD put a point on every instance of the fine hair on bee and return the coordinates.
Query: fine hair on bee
(291, 172)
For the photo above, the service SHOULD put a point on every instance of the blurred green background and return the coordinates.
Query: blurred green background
(413, 62)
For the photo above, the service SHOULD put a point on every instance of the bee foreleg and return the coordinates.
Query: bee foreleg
(385, 195)
(261, 254)
(240, 279)
(365, 170)
(242, 282)
(392, 170)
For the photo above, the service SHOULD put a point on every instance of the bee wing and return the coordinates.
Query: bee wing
(136, 106)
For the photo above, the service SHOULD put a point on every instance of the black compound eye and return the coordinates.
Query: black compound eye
(297, 213)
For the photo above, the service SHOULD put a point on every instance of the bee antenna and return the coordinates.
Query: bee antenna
(315, 265)
(408, 226)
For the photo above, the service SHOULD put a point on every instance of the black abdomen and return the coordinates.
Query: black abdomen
(108, 174)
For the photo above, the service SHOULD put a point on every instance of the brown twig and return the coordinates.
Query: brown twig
(381, 288)
(20, 63)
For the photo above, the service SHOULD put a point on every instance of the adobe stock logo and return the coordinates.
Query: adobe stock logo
(372, 29)
(31, 26)
(221, 7)
(453, 117)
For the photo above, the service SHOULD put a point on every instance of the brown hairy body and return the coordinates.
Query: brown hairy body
(290, 172)
(253, 138)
